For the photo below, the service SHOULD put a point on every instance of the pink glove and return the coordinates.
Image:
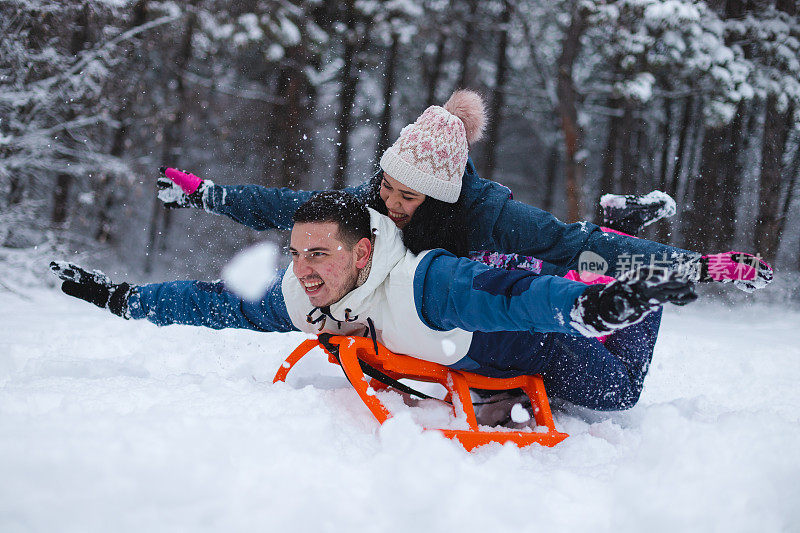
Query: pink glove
(174, 188)
(188, 182)
(747, 271)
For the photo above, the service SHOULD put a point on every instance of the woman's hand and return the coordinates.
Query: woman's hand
(747, 272)
(178, 189)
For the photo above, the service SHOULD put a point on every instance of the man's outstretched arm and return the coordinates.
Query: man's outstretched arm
(452, 292)
(194, 303)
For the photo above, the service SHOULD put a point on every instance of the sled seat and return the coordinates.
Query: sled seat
(352, 352)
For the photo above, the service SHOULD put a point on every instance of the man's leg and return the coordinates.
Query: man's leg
(601, 376)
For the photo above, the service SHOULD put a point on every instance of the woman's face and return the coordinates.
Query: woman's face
(401, 201)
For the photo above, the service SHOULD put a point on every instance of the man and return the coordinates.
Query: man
(351, 275)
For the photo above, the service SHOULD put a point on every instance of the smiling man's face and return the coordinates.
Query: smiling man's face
(326, 267)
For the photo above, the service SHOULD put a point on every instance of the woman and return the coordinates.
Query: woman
(430, 188)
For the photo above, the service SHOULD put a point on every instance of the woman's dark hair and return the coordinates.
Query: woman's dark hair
(435, 224)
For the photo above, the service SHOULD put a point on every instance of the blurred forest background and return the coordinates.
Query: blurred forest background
(698, 99)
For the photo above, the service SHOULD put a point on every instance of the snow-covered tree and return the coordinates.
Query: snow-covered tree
(771, 39)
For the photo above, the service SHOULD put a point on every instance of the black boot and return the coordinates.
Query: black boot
(498, 408)
(630, 214)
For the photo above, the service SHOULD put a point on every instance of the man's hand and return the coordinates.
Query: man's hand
(179, 189)
(94, 287)
(602, 309)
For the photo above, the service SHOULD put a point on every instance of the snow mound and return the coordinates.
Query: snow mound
(118, 425)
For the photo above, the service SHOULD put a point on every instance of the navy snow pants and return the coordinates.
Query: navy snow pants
(584, 371)
(603, 376)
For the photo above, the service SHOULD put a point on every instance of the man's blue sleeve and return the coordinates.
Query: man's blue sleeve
(527, 230)
(451, 292)
(199, 303)
(262, 208)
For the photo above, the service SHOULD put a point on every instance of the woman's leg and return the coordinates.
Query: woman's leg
(618, 232)
(601, 376)
(629, 214)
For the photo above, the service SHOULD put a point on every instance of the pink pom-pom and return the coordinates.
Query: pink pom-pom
(468, 106)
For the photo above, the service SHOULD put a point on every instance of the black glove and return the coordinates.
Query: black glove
(174, 197)
(602, 309)
(94, 287)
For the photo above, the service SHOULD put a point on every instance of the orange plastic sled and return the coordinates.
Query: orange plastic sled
(457, 383)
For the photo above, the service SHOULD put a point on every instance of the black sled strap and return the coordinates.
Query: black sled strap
(333, 349)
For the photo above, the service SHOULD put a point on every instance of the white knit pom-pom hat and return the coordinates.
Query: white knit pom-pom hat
(431, 154)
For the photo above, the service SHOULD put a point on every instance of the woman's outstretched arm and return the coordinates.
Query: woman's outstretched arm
(255, 206)
(528, 230)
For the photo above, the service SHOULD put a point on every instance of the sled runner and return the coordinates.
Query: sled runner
(361, 357)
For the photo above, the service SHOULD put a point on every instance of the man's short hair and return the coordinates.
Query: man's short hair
(344, 209)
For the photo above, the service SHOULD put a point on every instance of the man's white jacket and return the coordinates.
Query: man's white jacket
(384, 302)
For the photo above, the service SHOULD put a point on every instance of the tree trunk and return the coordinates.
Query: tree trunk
(608, 175)
(666, 145)
(347, 97)
(787, 6)
(663, 226)
(106, 192)
(627, 150)
(703, 218)
(568, 111)
(295, 146)
(435, 71)
(551, 176)
(735, 9)
(680, 154)
(388, 91)
(16, 190)
(793, 170)
(790, 7)
(80, 38)
(722, 228)
(173, 133)
(683, 185)
(104, 225)
(466, 46)
(60, 198)
(496, 111)
(776, 127)
(644, 163)
(730, 181)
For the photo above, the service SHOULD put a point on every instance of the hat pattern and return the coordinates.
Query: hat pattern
(431, 154)
(436, 144)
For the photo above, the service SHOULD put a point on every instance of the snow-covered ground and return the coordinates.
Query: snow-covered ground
(108, 425)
